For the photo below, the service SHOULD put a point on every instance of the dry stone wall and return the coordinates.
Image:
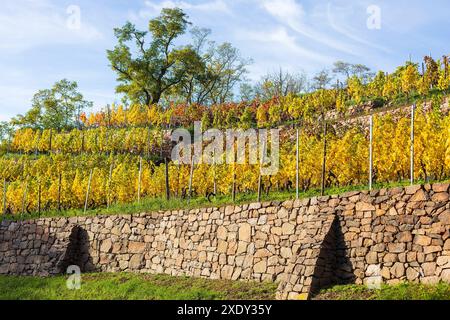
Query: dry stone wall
(358, 237)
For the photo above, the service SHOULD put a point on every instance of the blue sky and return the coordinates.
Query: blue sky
(38, 47)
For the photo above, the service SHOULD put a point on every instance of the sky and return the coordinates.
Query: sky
(44, 41)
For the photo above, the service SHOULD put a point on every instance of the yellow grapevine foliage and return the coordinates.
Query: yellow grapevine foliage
(62, 177)
(135, 140)
(408, 80)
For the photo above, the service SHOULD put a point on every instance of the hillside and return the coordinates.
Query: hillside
(122, 155)
(59, 179)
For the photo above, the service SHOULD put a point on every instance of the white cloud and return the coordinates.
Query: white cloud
(284, 9)
(28, 23)
(278, 40)
(347, 31)
(292, 13)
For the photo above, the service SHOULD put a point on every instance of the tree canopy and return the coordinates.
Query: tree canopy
(279, 84)
(57, 108)
(158, 69)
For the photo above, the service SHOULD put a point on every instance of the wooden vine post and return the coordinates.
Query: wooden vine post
(214, 173)
(50, 141)
(82, 140)
(191, 177)
(166, 161)
(371, 154)
(88, 190)
(413, 109)
(149, 138)
(59, 190)
(261, 163)
(139, 180)
(24, 197)
(324, 159)
(5, 188)
(233, 190)
(39, 197)
(297, 164)
(108, 192)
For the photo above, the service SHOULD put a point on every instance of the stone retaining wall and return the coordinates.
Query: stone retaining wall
(358, 237)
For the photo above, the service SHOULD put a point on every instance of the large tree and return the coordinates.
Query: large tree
(154, 68)
(225, 68)
(57, 108)
(222, 69)
(157, 70)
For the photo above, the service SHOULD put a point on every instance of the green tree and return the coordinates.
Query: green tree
(221, 69)
(57, 108)
(147, 72)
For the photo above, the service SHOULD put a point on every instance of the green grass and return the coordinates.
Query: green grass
(403, 291)
(125, 286)
(160, 204)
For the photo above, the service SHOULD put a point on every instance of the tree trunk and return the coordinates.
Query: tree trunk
(156, 98)
(166, 161)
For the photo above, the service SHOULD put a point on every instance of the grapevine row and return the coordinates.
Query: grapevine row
(60, 180)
